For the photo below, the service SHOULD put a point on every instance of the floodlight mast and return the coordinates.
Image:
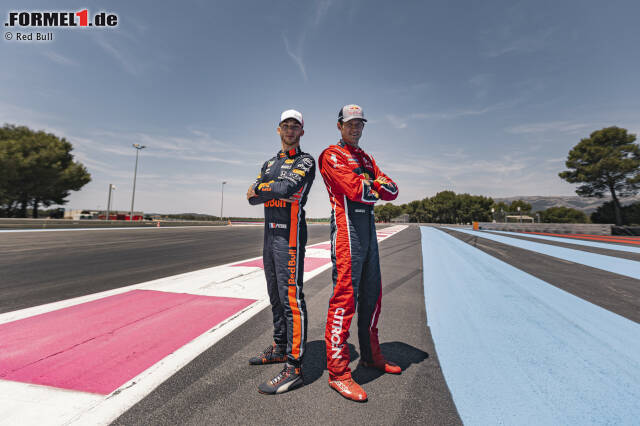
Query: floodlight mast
(222, 199)
(112, 187)
(138, 148)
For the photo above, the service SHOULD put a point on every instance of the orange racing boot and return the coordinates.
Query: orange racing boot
(349, 389)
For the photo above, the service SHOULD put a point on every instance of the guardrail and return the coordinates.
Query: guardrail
(12, 223)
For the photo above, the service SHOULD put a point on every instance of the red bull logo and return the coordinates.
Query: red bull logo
(292, 267)
(275, 203)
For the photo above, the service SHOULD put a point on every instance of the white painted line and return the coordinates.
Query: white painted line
(575, 241)
(26, 404)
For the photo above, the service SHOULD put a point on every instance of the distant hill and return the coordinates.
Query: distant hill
(587, 205)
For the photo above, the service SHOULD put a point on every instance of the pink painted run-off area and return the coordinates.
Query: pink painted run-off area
(324, 246)
(98, 346)
(310, 263)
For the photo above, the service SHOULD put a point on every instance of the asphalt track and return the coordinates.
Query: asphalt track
(47, 266)
(219, 386)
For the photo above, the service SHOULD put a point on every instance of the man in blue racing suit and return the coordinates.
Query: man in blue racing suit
(282, 185)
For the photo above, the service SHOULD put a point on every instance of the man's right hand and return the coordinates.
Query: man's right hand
(251, 191)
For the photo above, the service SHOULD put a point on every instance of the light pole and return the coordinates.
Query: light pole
(520, 213)
(493, 214)
(138, 147)
(222, 199)
(111, 188)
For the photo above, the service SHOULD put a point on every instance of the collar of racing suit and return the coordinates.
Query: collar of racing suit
(290, 153)
(350, 147)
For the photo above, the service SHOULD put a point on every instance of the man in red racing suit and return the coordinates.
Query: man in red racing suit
(354, 183)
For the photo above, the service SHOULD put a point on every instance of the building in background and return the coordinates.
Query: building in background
(101, 215)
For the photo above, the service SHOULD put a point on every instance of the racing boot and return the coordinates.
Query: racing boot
(270, 355)
(349, 389)
(288, 379)
(383, 365)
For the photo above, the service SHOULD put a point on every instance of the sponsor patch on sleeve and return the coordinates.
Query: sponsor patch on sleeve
(299, 172)
(266, 186)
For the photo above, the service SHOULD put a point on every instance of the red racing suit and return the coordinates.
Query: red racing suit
(351, 177)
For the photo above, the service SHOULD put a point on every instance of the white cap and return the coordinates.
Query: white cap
(349, 112)
(292, 113)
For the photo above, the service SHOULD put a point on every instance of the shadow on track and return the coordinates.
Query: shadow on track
(400, 353)
(315, 361)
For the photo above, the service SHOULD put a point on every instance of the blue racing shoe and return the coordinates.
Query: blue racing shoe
(271, 355)
(288, 379)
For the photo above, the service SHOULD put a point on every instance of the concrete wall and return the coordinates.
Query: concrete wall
(555, 228)
(69, 223)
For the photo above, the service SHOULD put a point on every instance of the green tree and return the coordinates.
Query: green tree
(444, 207)
(608, 160)
(380, 213)
(395, 211)
(417, 212)
(606, 213)
(37, 169)
(473, 208)
(386, 212)
(562, 215)
(524, 206)
(632, 214)
(501, 206)
(449, 207)
(501, 210)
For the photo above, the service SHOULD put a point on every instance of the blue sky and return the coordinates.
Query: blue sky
(478, 97)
